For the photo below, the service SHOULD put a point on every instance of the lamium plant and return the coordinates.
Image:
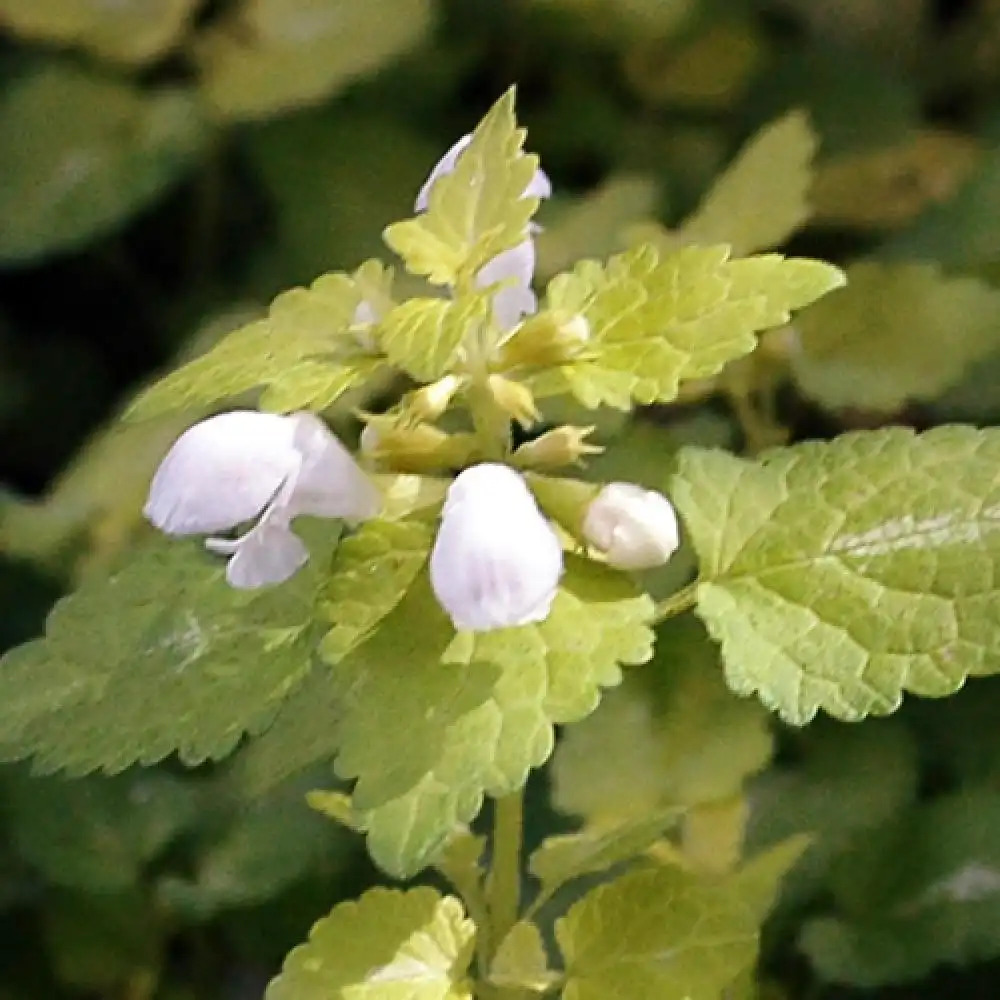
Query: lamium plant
(427, 612)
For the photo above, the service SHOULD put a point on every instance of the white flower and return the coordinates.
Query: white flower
(634, 528)
(518, 263)
(238, 466)
(496, 561)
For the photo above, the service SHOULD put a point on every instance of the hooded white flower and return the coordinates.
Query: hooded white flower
(496, 561)
(239, 466)
(518, 263)
(635, 528)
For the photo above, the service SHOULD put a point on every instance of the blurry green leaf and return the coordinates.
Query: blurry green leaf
(672, 734)
(761, 198)
(922, 892)
(80, 154)
(131, 31)
(330, 206)
(889, 185)
(593, 226)
(97, 833)
(845, 782)
(655, 323)
(309, 351)
(101, 943)
(960, 233)
(520, 961)
(260, 851)
(839, 575)
(273, 55)
(896, 333)
(386, 946)
(564, 857)
(426, 738)
(371, 572)
(422, 336)
(163, 656)
(660, 932)
(477, 210)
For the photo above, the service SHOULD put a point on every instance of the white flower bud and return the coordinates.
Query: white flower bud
(634, 528)
(496, 561)
(238, 466)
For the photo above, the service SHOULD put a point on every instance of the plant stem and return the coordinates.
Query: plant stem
(677, 603)
(504, 887)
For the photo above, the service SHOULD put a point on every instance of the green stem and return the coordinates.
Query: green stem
(491, 424)
(683, 600)
(504, 887)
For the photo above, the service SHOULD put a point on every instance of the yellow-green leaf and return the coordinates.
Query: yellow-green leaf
(130, 31)
(270, 56)
(761, 198)
(371, 572)
(309, 350)
(657, 322)
(897, 332)
(477, 210)
(838, 575)
(388, 945)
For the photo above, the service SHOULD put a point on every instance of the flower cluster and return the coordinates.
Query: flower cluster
(497, 559)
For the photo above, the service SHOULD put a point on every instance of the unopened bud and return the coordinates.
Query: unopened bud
(496, 561)
(564, 445)
(550, 338)
(420, 448)
(633, 527)
(514, 399)
(429, 402)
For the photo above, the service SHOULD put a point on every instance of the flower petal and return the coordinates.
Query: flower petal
(516, 300)
(496, 562)
(221, 472)
(268, 554)
(329, 482)
(635, 528)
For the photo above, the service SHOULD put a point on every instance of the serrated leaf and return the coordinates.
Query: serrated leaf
(162, 656)
(562, 858)
(119, 825)
(660, 932)
(761, 198)
(657, 322)
(897, 332)
(476, 211)
(593, 226)
(672, 734)
(520, 961)
(305, 352)
(386, 946)
(371, 572)
(422, 336)
(838, 575)
(133, 32)
(80, 154)
(271, 56)
(426, 739)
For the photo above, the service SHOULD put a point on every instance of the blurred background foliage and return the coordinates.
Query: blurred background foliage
(167, 166)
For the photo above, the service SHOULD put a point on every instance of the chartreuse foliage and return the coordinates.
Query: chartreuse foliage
(152, 661)
(313, 346)
(657, 320)
(832, 576)
(838, 576)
